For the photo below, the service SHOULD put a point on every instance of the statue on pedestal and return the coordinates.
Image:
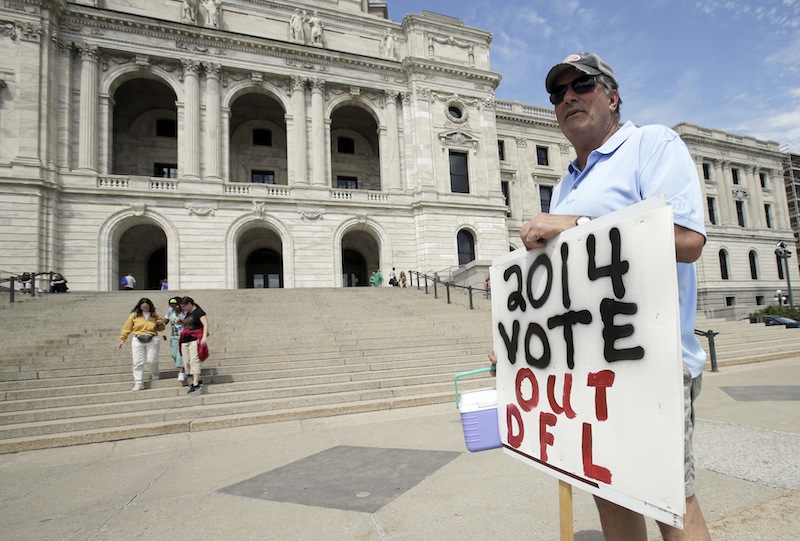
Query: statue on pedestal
(315, 29)
(296, 29)
(213, 9)
(189, 11)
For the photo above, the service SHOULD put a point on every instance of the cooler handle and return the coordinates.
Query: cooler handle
(470, 373)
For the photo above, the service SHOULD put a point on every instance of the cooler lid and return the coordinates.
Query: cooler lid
(478, 400)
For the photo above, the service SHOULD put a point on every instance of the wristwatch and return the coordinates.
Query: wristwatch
(580, 220)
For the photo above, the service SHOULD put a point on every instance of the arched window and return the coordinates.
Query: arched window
(753, 265)
(466, 247)
(723, 264)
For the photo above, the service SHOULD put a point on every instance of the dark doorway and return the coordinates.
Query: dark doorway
(264, 268)
(156, 269)
(354, 269)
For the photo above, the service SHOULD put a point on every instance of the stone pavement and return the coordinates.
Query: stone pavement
(401, 475)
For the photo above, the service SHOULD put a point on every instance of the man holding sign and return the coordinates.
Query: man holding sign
(617, 167)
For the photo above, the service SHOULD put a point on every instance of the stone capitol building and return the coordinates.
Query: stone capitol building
(258, 143)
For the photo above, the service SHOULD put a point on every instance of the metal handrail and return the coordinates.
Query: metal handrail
(711, 347)
(435, 279)
(17, 277)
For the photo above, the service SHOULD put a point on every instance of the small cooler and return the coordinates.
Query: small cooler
(478, 416)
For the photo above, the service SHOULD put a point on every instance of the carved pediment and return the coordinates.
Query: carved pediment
(458, 139)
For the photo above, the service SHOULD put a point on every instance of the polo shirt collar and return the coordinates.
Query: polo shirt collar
(609, 147)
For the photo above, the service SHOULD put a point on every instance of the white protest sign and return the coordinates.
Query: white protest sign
(589, 370)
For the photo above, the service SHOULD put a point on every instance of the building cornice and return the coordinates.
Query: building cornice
(424, 66)
(205, 43)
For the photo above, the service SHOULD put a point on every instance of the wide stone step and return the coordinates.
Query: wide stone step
(116, 433)
(391, 373)
(240, 363)
(211, 405)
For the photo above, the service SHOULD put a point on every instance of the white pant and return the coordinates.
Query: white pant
(140, 350)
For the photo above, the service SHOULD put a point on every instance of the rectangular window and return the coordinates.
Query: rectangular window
(759, 300)
(735, 175)
(706, 171)
(779, 261)
(262, 137)
(501, 149)
(346, 145)
(768, 214)
(545, 195)
(730, 301)
(262, 177)
(712, 210)
(505, 187)
(166, 127)
(459, 174)
(740, 213)
(762, 177)
(347, 183)
(542, 157)
(165, 170)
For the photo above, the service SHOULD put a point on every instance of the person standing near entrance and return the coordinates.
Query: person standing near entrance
(128, 282)
(145, 324)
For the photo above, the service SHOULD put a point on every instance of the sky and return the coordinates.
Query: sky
(732, 65)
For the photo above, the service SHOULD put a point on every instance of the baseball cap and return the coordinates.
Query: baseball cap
(588, 63)
(174, 300)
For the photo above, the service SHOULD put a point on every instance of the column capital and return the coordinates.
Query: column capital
(317, 85)
(88, 52)
(298, 82)
(213, 69)
(190, 67)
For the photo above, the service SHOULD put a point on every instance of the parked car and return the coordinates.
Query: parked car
(770, 321)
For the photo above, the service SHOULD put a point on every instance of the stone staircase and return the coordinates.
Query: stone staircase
(741, 342)
(275, 355)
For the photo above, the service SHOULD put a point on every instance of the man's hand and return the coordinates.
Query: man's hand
(543, 227)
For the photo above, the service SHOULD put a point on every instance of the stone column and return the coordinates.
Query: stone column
(190, 131)
(757, 211)
(319, 174)
(87, 131)
(106, 158)
(384, 167)
(727, 210)
(698, 164)
(391, 180)
(298, 166)
(424, 177)
(213, 130)
(225, 119)
(64, 94)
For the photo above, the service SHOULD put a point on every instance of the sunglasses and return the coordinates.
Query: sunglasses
(581, 85)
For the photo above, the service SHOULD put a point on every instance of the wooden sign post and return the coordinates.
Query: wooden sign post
(589, 371)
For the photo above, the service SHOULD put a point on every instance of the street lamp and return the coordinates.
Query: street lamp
(784, 253)
(780, 298)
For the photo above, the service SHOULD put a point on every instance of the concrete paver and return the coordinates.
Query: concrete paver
(170, 486)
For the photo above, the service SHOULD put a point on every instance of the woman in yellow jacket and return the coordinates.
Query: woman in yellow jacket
(145, 324)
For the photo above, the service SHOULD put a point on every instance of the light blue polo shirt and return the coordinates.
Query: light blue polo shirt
(633, 165)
